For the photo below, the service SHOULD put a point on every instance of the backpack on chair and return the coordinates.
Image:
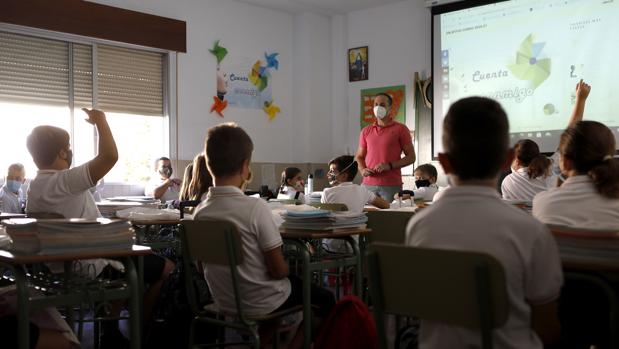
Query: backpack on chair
(350, 325)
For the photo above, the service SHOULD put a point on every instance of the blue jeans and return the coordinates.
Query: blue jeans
(386, 192)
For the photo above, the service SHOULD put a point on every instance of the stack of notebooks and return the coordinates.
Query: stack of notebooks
(323, 220)
(313, 198)
(50, 236)
(589, 244)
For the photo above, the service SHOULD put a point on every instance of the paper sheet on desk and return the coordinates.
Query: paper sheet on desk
(147, 214)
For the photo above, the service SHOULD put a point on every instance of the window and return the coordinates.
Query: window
(46, 82)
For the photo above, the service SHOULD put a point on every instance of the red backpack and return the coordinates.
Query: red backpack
(350, 325)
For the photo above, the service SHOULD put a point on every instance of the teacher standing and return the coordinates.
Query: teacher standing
(380, 150)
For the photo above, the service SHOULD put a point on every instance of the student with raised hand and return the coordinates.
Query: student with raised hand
(531, 173)
(264, 282)
(58, 188)
(589, 196)
(292, 185)
(471, 216)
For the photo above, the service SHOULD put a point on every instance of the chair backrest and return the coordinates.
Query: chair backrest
(330, 207)
(388, 226)
(44, 215)
(211, 242)
(459, 288)
(187, 206)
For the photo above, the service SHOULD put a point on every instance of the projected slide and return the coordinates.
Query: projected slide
(529, 55)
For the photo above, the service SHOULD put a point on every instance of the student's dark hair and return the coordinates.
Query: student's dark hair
(346, 163)
(163, 158)
(428, 169)
(288, 173)
(227, 147)
(45, 142)
(184, 194)
(201, 179)
(590, 146)
(475, 137)
(389, 98)
(527, 153)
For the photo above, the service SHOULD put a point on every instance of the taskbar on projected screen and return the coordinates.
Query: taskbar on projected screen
(548, 135)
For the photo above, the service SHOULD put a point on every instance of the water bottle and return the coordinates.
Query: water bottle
(310, 183)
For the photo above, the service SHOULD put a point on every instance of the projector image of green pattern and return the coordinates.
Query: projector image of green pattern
(529, 65)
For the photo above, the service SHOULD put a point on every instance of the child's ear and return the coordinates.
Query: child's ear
(443, 159)
(507, 165)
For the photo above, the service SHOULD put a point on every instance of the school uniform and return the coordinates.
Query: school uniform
(353, 195)
(65, 192)
(426, 193)
(290, 193)
(260, 293)
(577, 203)
(519, 186)
(172, 193)
(474, 218)
(9, 201)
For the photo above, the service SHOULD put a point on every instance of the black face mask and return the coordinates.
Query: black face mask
(166, 171)
(420, 183)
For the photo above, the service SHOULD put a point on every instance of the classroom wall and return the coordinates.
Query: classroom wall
(399, 39)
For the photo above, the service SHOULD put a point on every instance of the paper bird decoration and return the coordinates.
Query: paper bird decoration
(271, 109)
(218, 106)
(218, 51)
(272, 60)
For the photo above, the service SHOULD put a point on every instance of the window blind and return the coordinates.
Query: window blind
(82, 76)
(33, 70)
(129, 81)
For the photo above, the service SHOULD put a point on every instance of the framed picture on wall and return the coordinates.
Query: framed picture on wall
(358, 63)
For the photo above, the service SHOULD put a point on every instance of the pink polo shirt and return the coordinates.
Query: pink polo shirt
(384, 145)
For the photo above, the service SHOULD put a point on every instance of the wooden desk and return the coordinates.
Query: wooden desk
(26, 302)
(295, 238)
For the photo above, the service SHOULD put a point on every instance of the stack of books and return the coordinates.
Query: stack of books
(587, 244)
(68, 235)
(323, 220)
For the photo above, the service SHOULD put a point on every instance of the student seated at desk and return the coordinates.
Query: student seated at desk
(62, 190)
(11, 196)
(342, 171)
(471, 216)
(292, 185)
(589, 196)
(197, 182)
(264, 282)
(162, 186)
(426, 176)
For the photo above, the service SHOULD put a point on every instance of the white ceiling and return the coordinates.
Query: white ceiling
(327, 7)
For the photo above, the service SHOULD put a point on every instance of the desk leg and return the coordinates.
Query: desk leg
(307, 298)
(68, 275)
(135, 309)
(358, 266)
(23, 320)
(140, 234)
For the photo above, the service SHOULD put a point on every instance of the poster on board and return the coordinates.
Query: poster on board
(398, 109)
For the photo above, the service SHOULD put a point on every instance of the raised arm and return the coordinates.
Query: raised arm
(582, 92)
(107, 154)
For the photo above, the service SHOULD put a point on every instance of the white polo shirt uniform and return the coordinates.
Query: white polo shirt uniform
(353, 195)
(578, 204)
(426, 193)
(290, 193)
(474, 218)
(260, 293)
(172, 193)
(519, 186)
(9, 201)
(65, 192)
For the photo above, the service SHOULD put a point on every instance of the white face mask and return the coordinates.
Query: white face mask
(380, 111)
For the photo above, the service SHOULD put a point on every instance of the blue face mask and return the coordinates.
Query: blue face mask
(13, 185)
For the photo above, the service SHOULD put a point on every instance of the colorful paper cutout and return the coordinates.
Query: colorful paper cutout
(271, 60)
(218, 106)
(271, 109)
(219, 51)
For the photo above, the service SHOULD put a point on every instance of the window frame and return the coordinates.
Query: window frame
(169, 78)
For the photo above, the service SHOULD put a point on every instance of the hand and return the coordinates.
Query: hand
(382, 167)
(366, 172)
(582, 90)
(174, 181)
(94, 116)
